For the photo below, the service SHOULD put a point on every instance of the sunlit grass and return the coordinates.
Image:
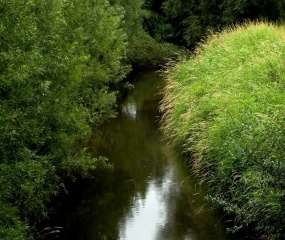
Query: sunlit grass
(225, 106)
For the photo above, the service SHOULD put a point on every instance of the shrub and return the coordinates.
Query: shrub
(147, 53)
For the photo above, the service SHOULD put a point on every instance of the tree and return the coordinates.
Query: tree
(192, 20)
(58, 59)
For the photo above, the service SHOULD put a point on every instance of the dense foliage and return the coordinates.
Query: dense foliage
(57, 60)
(225, 106)
(187, 21)
(143, 50)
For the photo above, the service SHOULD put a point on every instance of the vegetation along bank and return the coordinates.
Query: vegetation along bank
(224, 107)
(60, 63)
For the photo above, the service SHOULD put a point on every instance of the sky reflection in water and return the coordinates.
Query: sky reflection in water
(145, 217)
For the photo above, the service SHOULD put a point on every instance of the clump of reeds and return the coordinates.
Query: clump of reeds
(225, 105)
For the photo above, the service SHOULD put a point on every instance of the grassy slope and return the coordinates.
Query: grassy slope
(225, 106)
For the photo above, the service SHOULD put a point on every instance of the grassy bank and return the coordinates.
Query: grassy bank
(225, 106)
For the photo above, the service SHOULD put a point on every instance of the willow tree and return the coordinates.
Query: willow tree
(58, 59)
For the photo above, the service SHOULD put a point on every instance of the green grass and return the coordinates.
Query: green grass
(225, 105)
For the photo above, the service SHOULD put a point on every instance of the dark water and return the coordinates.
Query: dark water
(148, 195)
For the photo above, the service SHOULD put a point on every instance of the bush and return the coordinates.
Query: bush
(225, 106)
(147, 53)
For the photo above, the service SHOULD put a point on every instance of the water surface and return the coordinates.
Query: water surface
(149, 194)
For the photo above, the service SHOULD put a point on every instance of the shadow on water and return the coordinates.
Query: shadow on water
(148, 194)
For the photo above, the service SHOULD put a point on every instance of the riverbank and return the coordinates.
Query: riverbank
(224, 107)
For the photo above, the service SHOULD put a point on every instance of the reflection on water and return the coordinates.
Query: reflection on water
(146, 216)
(130, 109)
(148, 195)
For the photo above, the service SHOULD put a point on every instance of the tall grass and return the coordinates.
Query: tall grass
(225, 105)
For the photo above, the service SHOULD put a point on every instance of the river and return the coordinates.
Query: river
(148, 194)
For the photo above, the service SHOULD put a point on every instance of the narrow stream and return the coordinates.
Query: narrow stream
(148, 195)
